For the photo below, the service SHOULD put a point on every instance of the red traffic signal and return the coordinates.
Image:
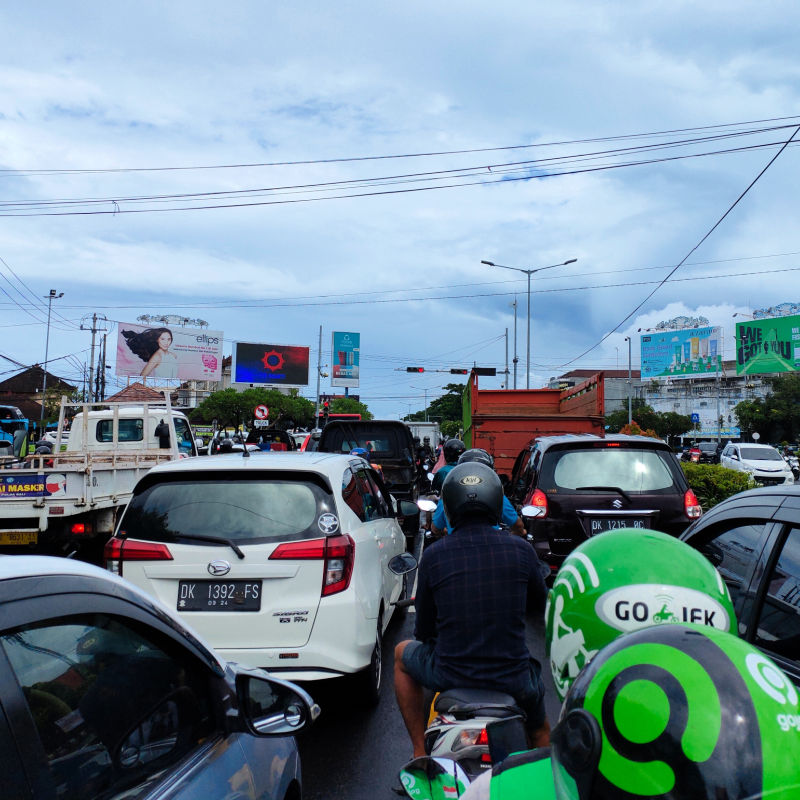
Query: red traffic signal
(415, 369)
(459, 371)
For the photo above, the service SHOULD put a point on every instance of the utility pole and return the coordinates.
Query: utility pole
(94, 329)
(54, 295)
(319, 375)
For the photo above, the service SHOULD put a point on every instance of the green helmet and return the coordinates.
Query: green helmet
(678, 712)
(621, 581)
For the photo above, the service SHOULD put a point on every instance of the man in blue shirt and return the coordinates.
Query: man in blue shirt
(473, 591)
(508, 517)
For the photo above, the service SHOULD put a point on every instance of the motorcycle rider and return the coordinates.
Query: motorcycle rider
(452, 449)
(473, 591)
(675, 712)
(591, 603)
(509, 517)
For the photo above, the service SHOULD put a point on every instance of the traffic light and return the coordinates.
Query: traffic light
(485, 370)
(326, 408)
(415, 369)
(459, 371)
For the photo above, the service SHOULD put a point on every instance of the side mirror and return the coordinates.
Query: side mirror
(403, 563)
(426, 505)
(273, 707)
(428, 778)
(531, 512)
(407, 509)
(734, 456)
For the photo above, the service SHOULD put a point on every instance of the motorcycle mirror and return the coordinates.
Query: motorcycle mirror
(403, 563)
(428, 778)
(426, 505)
(532, 511)
(430, 476)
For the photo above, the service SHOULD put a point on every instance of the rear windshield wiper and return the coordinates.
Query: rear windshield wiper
(604, 489)
(217, 539)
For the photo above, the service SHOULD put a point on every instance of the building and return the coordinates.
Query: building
(24, 390)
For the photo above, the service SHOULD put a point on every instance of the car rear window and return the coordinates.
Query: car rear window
(385, 441)
(760, 454)
(627, 468)
(251, 510)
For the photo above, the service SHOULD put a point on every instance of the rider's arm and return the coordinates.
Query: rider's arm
(511, 519)
(537, 591)
(439, 520)
(425, 617)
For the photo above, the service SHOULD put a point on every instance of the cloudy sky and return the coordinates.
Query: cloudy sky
(274, 167)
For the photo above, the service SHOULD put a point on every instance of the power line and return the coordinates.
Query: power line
(699, 243)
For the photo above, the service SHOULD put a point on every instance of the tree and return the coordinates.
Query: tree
(444, 410)
(229, 407)
(664, 424)
(347, 405)
(777, 416)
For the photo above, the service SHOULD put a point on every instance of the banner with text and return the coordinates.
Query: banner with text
(345, 359)
(269, 364)
(768, 345)
(185, 354)
(688, 353)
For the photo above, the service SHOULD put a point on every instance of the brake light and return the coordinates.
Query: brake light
(612, 444)
(118, 550)
(80, 529)
(338, 553)
(691, 505)
(539, 500)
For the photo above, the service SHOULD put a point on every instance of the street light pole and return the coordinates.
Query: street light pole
(529, 272)
(630, 382)
(52, 296)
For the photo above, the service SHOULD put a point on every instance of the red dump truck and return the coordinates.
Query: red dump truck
(504, 421)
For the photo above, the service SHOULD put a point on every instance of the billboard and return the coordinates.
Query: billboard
(768, 345)
(181, 353)
(271, 364)
(687, 353)
(345, 359)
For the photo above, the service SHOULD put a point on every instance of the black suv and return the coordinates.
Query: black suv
(753, 539)
(583, 485)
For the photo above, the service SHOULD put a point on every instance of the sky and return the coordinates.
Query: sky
(276, 167)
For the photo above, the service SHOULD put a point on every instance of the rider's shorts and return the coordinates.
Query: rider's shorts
(419, 661)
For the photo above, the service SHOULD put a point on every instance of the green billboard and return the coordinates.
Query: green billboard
(768, 345)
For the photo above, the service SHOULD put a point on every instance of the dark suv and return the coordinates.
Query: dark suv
(580, 486)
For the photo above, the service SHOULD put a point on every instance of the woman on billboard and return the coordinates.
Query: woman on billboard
(152, 345)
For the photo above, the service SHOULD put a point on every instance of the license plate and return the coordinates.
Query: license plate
(603, 524)
(219, 595)
(19, 537)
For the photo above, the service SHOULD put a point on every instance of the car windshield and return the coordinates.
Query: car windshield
(760, 454)
(708, 447)
(379, 440)
(244, 510)
(629, 469)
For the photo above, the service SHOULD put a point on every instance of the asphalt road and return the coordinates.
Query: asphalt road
(355, 754)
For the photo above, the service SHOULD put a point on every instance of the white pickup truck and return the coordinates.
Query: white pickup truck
(68, 501)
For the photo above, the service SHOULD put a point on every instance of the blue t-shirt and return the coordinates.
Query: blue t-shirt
(509, 516)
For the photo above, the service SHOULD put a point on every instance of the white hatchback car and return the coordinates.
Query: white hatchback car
(280, 560)
(761, 461)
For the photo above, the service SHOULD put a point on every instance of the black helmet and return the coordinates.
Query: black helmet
(472, 493)
(453, 448)
(476, 454)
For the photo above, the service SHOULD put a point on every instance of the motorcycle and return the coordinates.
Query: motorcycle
(475, 728)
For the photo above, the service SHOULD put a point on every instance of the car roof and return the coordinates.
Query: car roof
(757, 446)
(15, 567)
(577, 438)
(291, 461)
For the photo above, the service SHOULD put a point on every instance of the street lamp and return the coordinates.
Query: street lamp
(529, 272)
(52, 296)
(630, 383)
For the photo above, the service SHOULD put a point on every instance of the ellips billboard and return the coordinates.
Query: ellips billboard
(172, 353)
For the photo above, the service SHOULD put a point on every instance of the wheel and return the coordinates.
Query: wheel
(368, 681)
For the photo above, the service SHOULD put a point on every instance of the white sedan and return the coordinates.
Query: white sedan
(761, 461)
(280, 560)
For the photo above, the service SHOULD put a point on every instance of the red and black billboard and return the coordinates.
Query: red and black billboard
(269, 364)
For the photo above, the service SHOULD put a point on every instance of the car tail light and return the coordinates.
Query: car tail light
(118, 550)
(81, 529)
(539, 500)
(338, 553)
(691, 505)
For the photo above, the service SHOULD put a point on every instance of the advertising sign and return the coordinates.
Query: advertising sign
(49, 485)
(686, 353)
(185, 354)
(345, 359)
(270, 364)
(768, 345)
